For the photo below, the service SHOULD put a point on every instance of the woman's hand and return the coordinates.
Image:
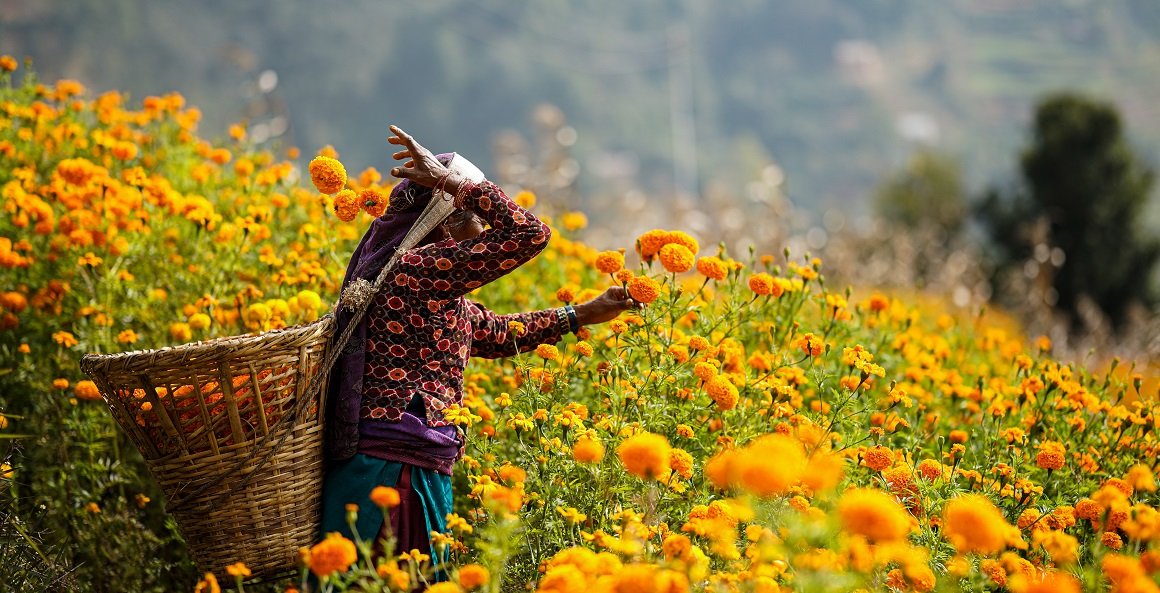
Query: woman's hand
(606, 306)
(421, 167)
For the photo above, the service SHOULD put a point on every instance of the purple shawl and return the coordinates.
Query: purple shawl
(344, 395)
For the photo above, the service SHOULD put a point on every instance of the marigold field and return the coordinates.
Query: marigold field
(753, 429)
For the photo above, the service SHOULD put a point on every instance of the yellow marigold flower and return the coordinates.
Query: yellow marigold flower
(573, 221)
(685, 431)
(609, 262)
(127, 336)
(645, 455)
(525, 199)
(563, 578)
(644, 289)
(517, 328)
(617, 326)
(238, 569)
(548, 352)
(385, 497)
(681, 462)
(676, 258)
(124, 151)
(722, 391)
(713, 267)
(346, 205)
(572, 515)
(327, 174)
(973, 524)
(373, 201)
(87, 390)
(331, 555)
(473, 576)
(677, 547)
(180, 331)
(444, 587)
(588, 451)
(584, 349)
(199, 321)
(1140, 478)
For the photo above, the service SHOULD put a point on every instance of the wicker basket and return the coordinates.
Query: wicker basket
(232, 437)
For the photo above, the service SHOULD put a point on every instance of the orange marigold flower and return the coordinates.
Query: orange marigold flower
(973, 524)
(373, 201)
(8, 63)
(645, 455)
(609, 262)
(722, 391)
(60, 383)
(930, 469)
(207, 584)
(1112, 540)
(1050, 456)
(644, 289)
(684, 240)
(873, 514)
(588, 451)
(762, 284)
(565, 295)
(65, 339)
(685, 431)
(331, 555)
(878, 458)
(681, 462)
(385, 496)
(517, 328)
(811, 345)
(346, 205)
(87, 390)
(473, 576)
(548, 352)
(713, 267)
(238, 569)
(676, 258)
(649, 244)
(327, 174)
(1047, 582)
(958, 436)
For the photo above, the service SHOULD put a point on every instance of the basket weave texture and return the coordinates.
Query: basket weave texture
(233, 438)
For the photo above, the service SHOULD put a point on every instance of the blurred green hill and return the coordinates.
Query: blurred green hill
(837, 92)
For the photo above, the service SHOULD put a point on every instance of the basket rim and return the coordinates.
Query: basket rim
(93, 361)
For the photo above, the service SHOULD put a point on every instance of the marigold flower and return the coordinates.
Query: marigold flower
(1111, 540)
(127, 336)
(811, 345)
(65, 339)
(584, 349)
(644, 289)
(768, 466)
(722, 391)
(385, 497)
(327, 174)
(1050, 456)
(609, 262)
(86, 390)
(973, 524)
(762, 284)
(207, 584)
(373, 201)
(649, 244)
(1043, 582)
(548, 352)
(878, 458)
(517, 328)
(238, 569)
(473, 576)
(346, 205)
(588, 451)
(713, 267)
(8, 63)
(681, 462)
(60, 383)
(565, 295)
(331, 555)
(676, 258)
(645, 455)
(181, 332)
(617, 326)
(525, 199)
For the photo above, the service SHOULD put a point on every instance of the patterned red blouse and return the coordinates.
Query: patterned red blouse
(421, 329)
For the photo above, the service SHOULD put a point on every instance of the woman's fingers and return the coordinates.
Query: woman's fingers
(402, 154)
(403, 172)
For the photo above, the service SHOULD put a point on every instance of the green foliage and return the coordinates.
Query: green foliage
(927, 192)
(1088, 189)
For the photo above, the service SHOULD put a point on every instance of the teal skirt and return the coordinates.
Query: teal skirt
(425, 505)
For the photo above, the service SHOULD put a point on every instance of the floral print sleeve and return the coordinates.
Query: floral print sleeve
(449, 269)
(492, 336)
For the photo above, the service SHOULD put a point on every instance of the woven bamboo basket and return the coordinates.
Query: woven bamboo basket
(232, 437)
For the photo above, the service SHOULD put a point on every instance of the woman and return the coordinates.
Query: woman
(405, 361)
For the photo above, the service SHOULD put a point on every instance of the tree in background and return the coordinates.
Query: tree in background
(924, 207)
(1079, 208)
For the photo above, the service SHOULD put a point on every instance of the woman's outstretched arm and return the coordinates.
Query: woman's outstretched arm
(493, 337)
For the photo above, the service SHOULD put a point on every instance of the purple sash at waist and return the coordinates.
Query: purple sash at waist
(411, 441)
